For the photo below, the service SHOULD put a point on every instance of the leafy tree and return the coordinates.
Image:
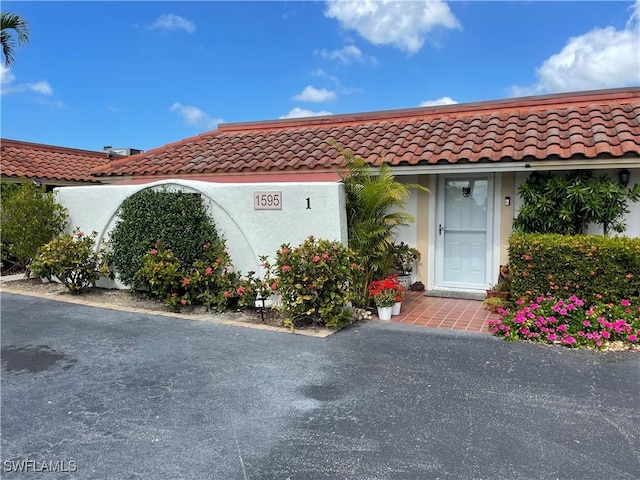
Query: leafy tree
(567, 204)
(375, 203)
(10, 22)
(30, 218)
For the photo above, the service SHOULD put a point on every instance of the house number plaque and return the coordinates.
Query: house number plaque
(267, 201)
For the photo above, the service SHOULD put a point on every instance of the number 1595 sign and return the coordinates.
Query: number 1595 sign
(267, 201)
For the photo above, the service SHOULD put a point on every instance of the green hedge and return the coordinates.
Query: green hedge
(178, 220)
(594, 268)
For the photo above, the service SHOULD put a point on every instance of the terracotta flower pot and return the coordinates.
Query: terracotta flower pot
(497, 294)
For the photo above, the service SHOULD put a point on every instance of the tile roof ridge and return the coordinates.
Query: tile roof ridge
(8, 142)
(154, 151)
(559, 100)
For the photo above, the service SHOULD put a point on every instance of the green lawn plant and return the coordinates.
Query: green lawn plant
(73, 260)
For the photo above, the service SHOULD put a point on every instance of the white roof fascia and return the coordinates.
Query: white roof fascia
(520, 166)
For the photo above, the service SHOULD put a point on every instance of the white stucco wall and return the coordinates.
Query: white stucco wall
(249, 232)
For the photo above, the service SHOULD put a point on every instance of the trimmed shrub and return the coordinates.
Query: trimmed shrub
(30, 218)
(72, 260)
(594, 268)
(315, 282)
(178, 220)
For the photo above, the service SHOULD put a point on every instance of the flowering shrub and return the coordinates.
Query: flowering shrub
(315, 282)
(386, 292)
(252, 287)
(570, 322)
(206, 282)
(72, 260)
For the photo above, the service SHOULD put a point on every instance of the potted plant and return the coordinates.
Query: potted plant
(385, 294)
(493, 304)
(404, 259)
(400, 289)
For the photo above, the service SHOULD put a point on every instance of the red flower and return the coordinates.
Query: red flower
(186, 281)
(325, 256)
(274, 286)
(240, 290)
(285, 250)
(286, 268)
(315, 259)
(183, 301)
(153, 251)
(208, 271)
(227, 294)
(79, 234)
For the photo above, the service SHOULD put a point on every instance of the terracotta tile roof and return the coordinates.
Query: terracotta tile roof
(48, 163)
(584, 125)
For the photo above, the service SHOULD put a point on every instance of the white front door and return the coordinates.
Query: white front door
(464, 236)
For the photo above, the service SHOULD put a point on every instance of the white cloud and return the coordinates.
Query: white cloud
(439, 101)
(346, 54)
(336, 81)
(40, 87)
(402, 24)
(602, 58)
(194, 116)
(50, 103)
(298, 112)
(7, 78)
(312, 94)
(169, 21)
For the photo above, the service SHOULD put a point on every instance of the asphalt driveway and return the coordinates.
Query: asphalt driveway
(124, 395)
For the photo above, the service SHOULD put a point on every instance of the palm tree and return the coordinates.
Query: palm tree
(8, 22)
(375, 201)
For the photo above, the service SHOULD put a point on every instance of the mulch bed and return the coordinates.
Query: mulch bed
(126, 298)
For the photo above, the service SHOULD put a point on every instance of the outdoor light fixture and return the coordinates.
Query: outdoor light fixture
(466, 191)
(624, 176)
(535, 178)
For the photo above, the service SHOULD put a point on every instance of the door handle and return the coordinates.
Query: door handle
(440, 229)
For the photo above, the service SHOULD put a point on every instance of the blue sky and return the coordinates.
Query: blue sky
(144, 74)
